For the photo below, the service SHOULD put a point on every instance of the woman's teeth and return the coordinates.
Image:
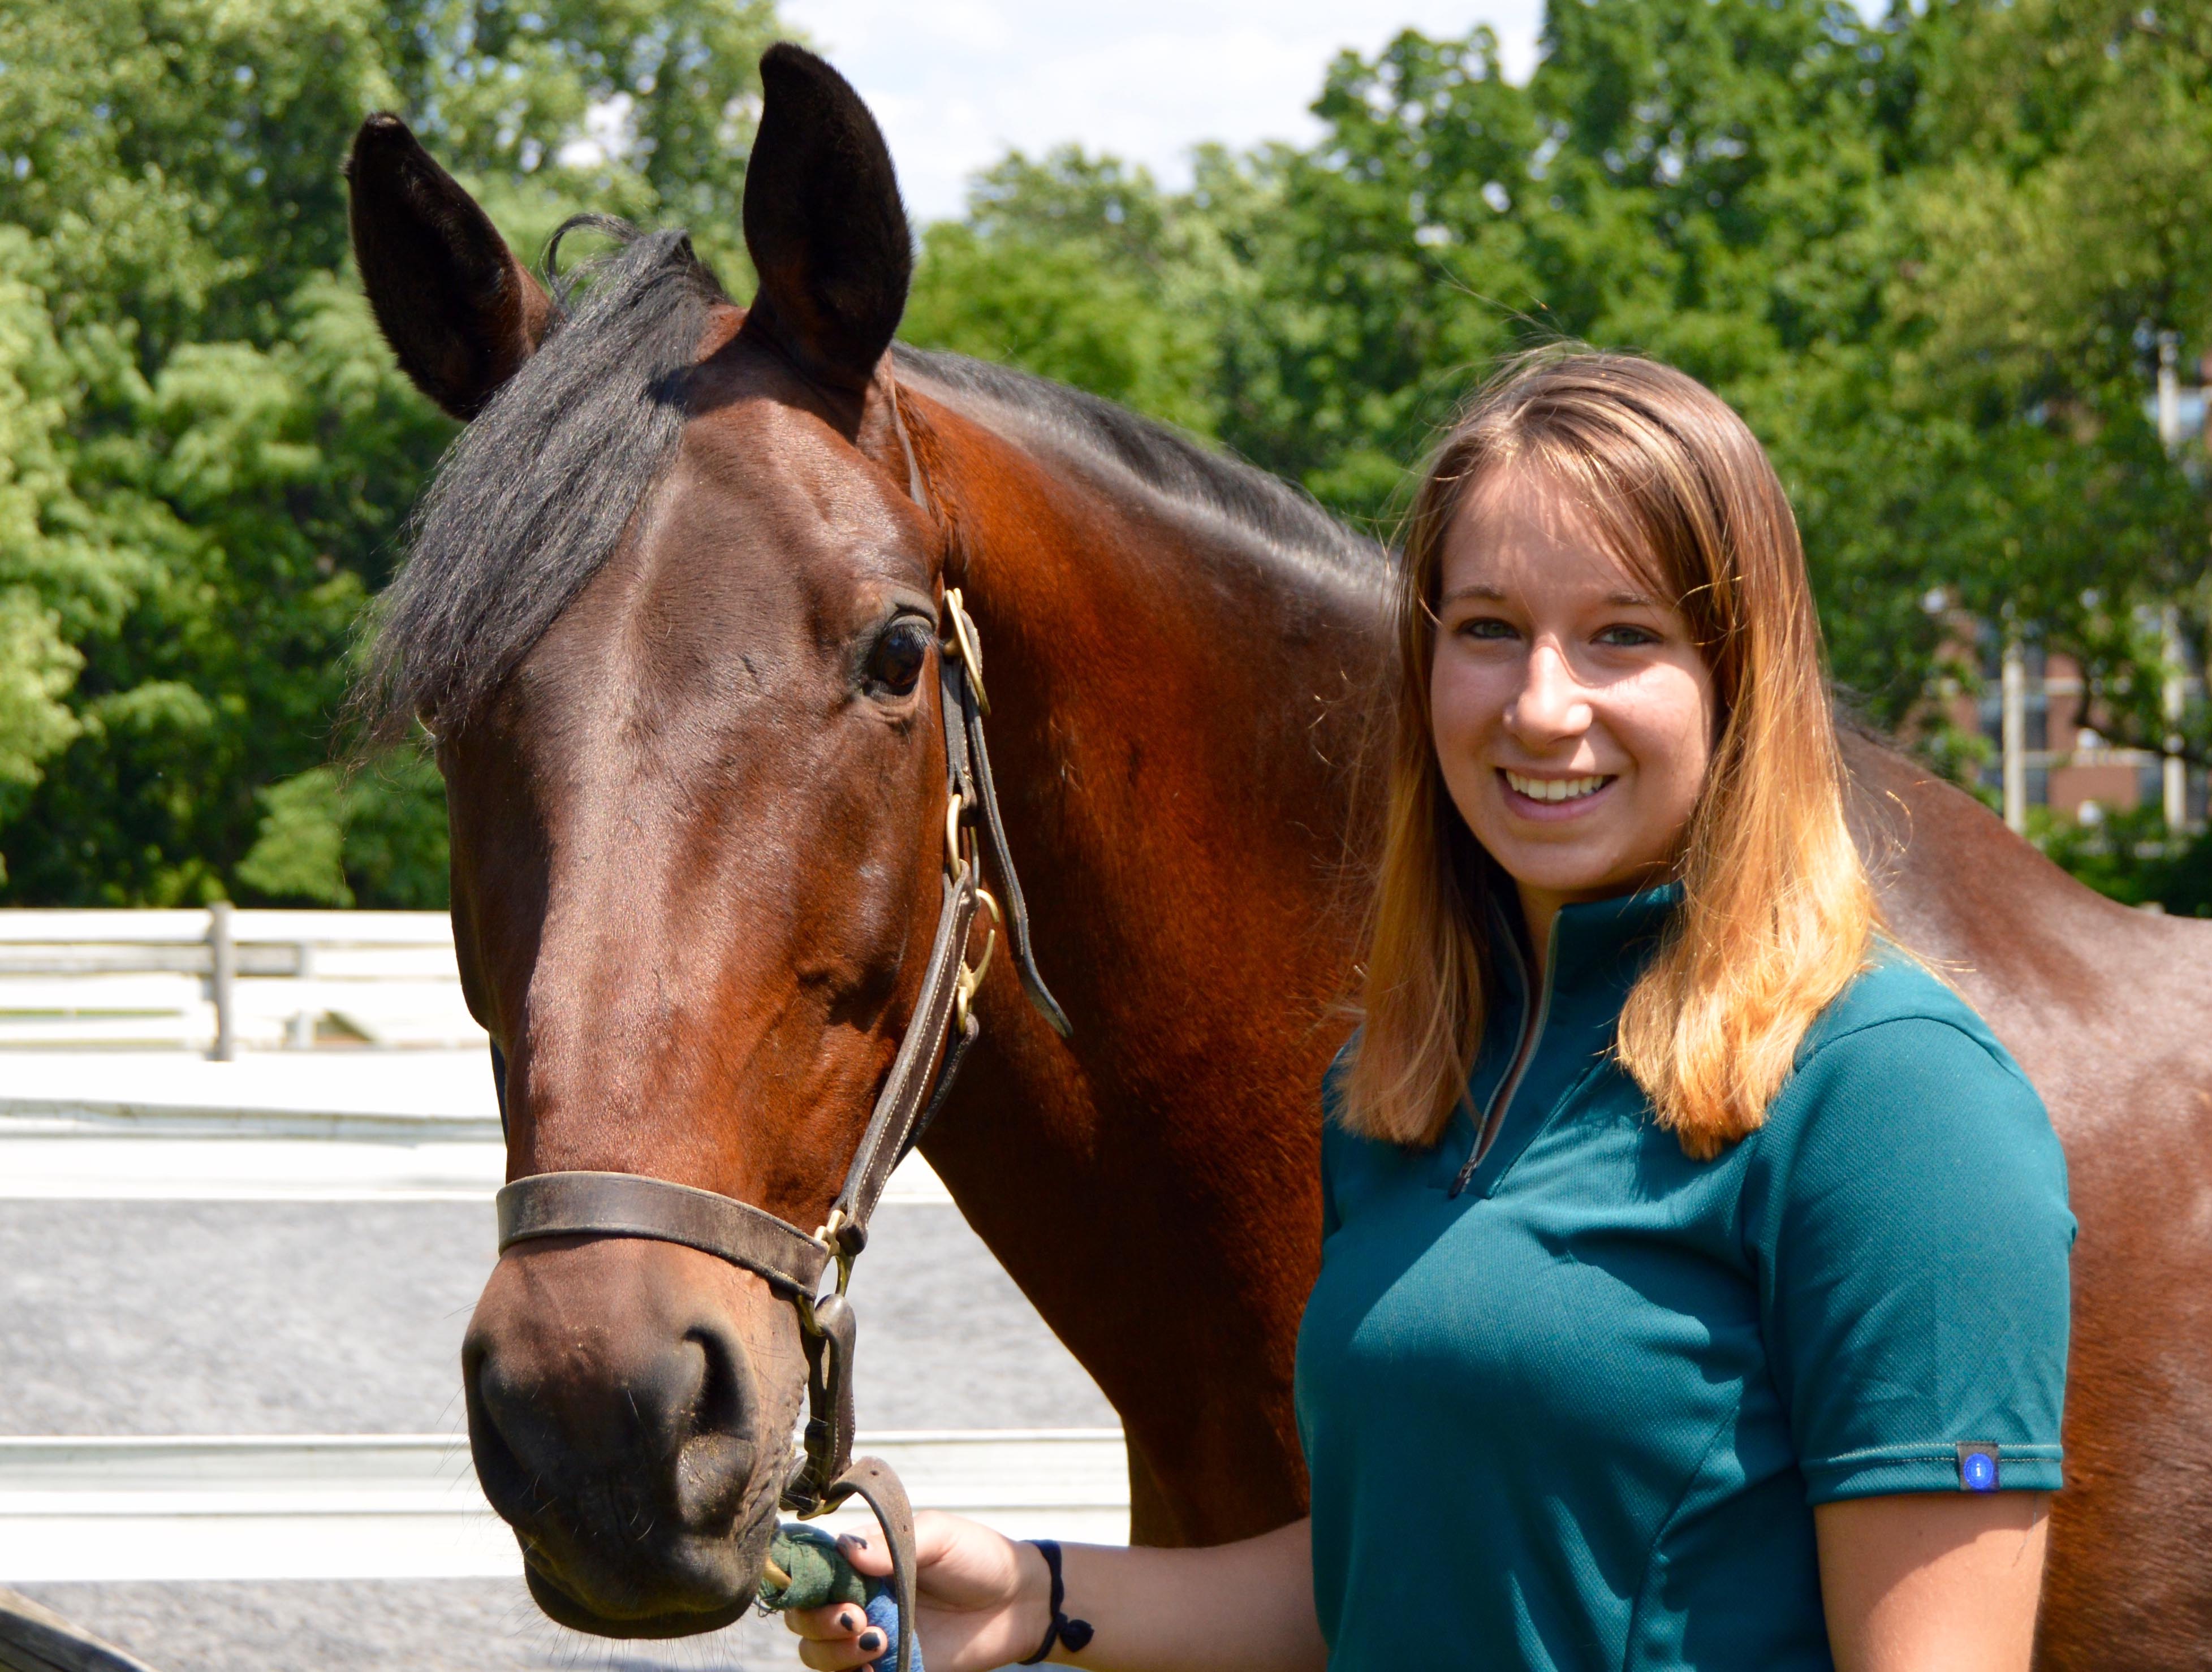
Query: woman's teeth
(1556, 789)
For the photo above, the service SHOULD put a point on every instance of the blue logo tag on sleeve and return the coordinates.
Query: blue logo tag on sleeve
(1977, 1468)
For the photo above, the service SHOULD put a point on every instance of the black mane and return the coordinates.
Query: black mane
(531, 500)
(1168, 462)
(532, 497)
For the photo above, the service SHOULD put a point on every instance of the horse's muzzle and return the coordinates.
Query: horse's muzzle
(617, 1425)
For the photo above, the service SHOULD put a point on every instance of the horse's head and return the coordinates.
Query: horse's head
(672, 617)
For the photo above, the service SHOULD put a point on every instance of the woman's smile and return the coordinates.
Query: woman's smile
(1550, 798)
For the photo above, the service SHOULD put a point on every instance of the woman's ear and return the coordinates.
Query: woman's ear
(824, 224)
(458, 310)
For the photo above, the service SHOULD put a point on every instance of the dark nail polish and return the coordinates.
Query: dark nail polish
(846, 1620)
(855, 1539)
(871, 1642)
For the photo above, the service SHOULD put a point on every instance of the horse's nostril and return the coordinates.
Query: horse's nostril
(712, 1472)
(715, 1462)
(723, 1391)
(505, 1481)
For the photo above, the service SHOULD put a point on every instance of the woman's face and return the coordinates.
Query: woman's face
(1573, 715)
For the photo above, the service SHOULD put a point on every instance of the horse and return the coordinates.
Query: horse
(669, 621)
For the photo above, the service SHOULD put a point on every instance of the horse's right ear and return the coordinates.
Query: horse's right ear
(823, 223)
(457, 308)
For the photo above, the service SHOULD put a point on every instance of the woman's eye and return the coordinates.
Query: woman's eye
(1625, 636)
(1486, 627)
(900, 655)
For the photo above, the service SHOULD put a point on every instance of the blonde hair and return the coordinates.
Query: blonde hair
(1776, 915)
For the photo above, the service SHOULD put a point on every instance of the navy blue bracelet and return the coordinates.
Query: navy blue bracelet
(1074, 1635)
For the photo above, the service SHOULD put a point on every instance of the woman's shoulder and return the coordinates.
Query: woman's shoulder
(1900, 1065)
(1897, 1012)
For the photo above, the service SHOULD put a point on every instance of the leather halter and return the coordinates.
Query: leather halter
(793, 1261)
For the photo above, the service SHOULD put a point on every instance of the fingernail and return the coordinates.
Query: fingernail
(846, 1620)
(855, 1539)
(872, 1641)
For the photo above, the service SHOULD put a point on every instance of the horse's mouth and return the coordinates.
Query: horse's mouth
(564, 1607)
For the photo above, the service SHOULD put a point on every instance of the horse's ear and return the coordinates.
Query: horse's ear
(457, 308)
(823, 223)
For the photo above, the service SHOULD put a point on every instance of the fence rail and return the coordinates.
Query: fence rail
(220, 979)
(358, 1506)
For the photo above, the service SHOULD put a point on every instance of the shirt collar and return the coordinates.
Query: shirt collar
(1600, 944)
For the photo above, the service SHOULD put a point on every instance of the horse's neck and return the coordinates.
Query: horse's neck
(1171, 709)
(2035, 952)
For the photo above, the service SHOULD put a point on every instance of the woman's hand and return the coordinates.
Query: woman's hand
(982, 1600)
(985, 1601)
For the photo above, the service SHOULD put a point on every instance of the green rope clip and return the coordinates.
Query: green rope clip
(806, 1570)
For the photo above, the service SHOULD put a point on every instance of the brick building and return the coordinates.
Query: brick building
(2070, 767)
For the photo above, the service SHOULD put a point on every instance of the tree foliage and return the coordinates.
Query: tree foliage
(1930, 257)
(206, 453)
(1927, 257)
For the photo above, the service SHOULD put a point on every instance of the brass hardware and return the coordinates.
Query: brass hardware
(955, 862)
(968, 646)
(964, 989)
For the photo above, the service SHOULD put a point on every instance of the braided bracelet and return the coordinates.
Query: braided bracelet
(1074, 1635)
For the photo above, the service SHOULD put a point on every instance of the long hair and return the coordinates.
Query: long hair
(1776, 915)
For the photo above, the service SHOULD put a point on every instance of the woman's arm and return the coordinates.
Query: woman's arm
(1932, 1580)
(1246, 1607)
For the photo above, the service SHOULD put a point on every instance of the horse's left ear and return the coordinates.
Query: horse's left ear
(823, 223)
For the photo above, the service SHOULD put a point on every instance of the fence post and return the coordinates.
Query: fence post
(223, 963)
(302, 1034)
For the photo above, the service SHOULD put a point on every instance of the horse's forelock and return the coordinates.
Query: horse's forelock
(532, 497)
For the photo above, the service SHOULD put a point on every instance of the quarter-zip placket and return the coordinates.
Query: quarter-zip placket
(1501, 1100)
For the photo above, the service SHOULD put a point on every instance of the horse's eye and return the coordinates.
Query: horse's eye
(898, 657)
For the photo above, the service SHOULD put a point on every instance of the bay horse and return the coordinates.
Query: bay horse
(669, 615)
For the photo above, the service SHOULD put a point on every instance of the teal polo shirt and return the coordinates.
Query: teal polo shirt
(1577, 1413)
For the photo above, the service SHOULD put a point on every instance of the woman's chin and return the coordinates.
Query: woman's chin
(1572, 865)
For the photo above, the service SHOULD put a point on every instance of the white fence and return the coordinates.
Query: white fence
(394, 1507)
(219, 979)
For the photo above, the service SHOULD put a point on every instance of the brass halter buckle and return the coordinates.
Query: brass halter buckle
(968, 645)
(971, 980)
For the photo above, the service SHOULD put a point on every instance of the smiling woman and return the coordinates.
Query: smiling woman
(1647, 1131)
(1605, 622)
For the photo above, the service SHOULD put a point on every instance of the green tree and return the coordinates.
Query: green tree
(1931, 258)
(1077, 269)
(2061, 230)
(206, 453)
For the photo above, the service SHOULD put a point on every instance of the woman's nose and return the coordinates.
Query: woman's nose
(1551, 704)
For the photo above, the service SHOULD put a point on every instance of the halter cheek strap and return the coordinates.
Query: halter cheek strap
(793, 1261)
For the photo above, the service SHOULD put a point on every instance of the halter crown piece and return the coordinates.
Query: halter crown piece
(793, 1261)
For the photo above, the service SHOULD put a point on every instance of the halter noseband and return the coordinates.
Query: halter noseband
(792, 1261)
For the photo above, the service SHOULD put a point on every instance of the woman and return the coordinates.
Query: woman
(1693, 1285)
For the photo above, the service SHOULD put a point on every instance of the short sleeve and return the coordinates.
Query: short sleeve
(1906, 1210)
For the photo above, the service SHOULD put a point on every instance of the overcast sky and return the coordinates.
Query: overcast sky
(954, 82)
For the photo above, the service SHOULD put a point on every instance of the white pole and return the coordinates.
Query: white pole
(2171, 697)
(2169, 389)
(2172, 693)
(2014, 732)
